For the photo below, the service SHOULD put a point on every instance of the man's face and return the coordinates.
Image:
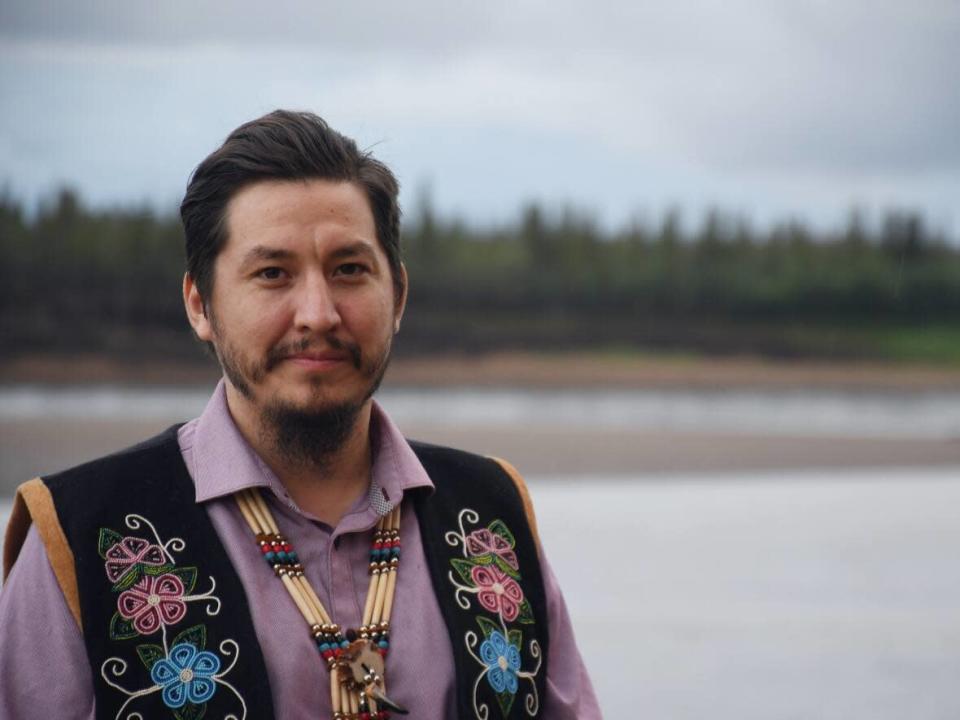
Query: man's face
(303, 307)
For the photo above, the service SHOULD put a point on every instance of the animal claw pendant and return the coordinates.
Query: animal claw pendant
(362, 671)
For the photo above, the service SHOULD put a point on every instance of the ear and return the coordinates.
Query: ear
(196, 312)
(401, 302)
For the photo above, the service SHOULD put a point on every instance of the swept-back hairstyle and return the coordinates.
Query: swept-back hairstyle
(282, 145)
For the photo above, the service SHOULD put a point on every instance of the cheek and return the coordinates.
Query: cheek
(257, 326)
(370, 319)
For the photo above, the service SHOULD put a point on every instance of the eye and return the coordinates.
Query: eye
(350, 269)
(271, 273)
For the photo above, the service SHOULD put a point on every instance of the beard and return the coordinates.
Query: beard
(310, 434)
(309, 438)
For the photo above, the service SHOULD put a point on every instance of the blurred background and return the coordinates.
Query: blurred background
(693, 267)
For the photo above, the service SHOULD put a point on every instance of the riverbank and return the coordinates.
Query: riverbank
(628, 433)
(629, 416)
(527, 370)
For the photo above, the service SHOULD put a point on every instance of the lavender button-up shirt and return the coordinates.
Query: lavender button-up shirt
(44, 671)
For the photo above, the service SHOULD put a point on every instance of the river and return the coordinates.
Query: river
(740, 593)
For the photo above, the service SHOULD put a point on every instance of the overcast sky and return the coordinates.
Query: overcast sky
(771, 109)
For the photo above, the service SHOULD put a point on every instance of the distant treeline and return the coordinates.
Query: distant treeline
(74, 279)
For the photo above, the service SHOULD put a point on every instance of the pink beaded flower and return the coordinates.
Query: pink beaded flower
(498, 592)
(125, 555)
(482, 542)
(153, 601)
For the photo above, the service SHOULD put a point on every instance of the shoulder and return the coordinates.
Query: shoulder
(151, 473)
(69, 507)
(135, 461)
(466, 476)
(78, 501)
(66, 503)
(449, 458)
(458, 470)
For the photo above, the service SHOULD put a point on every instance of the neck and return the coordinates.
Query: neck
(326, 486)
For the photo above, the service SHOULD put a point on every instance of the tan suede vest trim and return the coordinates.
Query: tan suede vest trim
(524, 497)
(34, 503)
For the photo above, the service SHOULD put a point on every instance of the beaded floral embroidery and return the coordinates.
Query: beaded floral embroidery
(489, 571)
(152, 596)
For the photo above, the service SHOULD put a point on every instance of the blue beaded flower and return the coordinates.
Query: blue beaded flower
(503, 663)
(185, 675)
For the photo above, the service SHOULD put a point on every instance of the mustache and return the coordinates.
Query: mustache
(278, 353)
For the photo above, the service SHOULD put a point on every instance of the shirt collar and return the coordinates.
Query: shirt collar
(224, 463)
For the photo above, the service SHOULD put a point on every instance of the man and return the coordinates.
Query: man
(139, 587)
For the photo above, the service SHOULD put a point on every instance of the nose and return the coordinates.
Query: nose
(315, 308)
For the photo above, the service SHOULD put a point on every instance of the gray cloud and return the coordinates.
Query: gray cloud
(348, 27)
(777, 101)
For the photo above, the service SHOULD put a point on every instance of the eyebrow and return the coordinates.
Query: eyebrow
(258, 253)
(353, 250)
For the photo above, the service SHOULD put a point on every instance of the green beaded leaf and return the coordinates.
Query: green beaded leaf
(149, 654)
(487, 625)
(190, 712)
(196, 636)
(497, 527)
(156, 569)
(188, 575)
(505, 567)
(130, 579)
(463, 568)
(526, 612)
(108, 538)
(485, 559)
(515, 638)
(505, 701)
(121, 628)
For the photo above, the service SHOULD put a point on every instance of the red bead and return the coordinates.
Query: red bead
(264, 549)
(364, 716)
(287, 547)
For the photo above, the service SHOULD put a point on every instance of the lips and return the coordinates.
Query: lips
(319, 356)
(309, 353)
(318, 360)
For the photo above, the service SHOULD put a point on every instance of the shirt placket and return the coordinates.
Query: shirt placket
(344, 593)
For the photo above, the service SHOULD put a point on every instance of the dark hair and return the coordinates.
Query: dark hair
(282, 145)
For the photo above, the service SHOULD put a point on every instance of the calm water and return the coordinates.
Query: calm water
(876, 414)
(817, 596)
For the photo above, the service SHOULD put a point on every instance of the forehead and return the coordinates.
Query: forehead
(288, 211)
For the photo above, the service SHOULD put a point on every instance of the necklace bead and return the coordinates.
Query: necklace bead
(349, 686)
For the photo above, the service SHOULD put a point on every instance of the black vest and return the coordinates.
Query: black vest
(144, 551)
